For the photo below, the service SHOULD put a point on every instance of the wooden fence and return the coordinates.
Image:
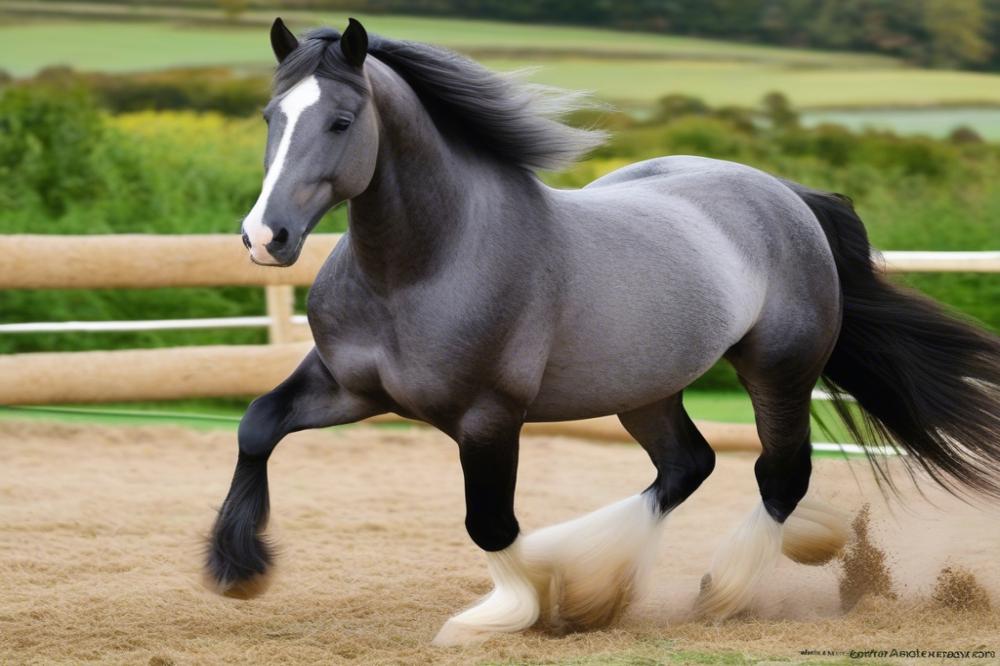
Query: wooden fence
(148, 261)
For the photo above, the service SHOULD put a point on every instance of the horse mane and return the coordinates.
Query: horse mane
(516, 121)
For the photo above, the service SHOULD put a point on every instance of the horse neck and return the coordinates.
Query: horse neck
(424, 190)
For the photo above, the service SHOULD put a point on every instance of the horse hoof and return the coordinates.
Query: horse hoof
(498, 613)
(814, 534)
(456, 633)
(241, 589)
(741, 563)
(513, 604)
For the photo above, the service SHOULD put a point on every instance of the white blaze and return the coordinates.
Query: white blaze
(303, 94)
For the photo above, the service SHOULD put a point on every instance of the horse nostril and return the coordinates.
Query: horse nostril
(246, 240)
(281, 237)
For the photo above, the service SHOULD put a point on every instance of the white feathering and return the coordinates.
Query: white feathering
(595, 563)
(748, 554)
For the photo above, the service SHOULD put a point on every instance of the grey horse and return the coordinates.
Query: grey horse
(471, 296)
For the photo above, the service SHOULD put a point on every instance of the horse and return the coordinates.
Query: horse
(471, 296)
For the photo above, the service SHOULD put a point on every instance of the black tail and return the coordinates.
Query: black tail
(927, 381)
(238, 558)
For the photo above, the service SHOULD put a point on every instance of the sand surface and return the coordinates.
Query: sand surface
(100, 550)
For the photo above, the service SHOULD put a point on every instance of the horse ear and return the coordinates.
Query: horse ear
(283, 41)
(354, 43)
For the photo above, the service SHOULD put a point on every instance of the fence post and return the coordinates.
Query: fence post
(280, 308)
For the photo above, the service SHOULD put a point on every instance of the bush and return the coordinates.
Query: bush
(964, 134)
(910, 156)
(704, 136)
(834, 144)
(676, 106)
(48, 144)
(194, 89)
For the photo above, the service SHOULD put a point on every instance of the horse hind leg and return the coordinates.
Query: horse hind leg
(594, 565)
(807, 532)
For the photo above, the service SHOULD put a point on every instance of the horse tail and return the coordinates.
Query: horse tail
(238, 558)
(926, 380)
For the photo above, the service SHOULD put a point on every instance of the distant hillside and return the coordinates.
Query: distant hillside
(626, 68)
(938, 33)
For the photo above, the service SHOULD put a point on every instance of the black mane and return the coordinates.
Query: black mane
(516, 121)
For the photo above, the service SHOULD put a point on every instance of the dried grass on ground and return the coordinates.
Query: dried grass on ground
(100, 540)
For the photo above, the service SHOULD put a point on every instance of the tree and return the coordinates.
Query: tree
(233, 9)
(779, 112)
(956, 32)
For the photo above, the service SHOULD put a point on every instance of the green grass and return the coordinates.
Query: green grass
(715, 406)
(728, 407)
(624, 67)
(744, 84)
(122, 416)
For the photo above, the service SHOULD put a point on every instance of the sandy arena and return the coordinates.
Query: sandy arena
(100, 534)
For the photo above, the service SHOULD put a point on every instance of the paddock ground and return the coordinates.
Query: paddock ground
(100, 540)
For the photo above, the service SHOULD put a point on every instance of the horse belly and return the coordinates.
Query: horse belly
(641, 321)
(608, 370)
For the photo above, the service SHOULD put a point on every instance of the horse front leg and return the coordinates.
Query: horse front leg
(487, 437)
(238, 559)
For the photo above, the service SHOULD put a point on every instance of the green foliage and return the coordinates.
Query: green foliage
(194, 89)
(778, 111)
(49, 141)
(956, 32)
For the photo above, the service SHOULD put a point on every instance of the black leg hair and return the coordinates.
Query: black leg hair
(781, 410)
(682, 457)
(238, 558)
(488, 447)
(490, 471)
(487, 436)
(779, 373)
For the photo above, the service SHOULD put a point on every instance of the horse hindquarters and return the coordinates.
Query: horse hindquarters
(925, 381)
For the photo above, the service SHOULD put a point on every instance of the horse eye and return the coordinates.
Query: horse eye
(340, 124)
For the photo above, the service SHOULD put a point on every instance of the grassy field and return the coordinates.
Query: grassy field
(745, 83)
(712, 405)
(628, 68)
(725, 406)
(464, 34)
